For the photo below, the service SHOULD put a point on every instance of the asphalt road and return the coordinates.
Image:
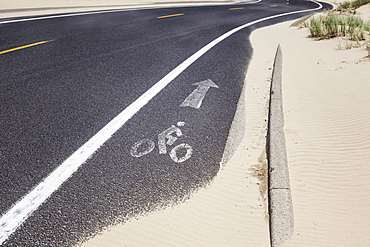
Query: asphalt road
(57, 95)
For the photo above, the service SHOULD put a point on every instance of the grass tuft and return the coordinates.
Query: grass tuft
(333, 25)
(352, 5)
(316, 27)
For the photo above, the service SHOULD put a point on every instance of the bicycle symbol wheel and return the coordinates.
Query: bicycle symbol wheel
(174, 153)
(145, 146)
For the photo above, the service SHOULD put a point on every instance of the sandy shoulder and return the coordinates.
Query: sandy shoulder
(326, 107)
(326, 100)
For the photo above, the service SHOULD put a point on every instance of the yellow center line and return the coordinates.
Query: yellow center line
(235, 8)
(166, 16)
(25, 46)
(273, 6)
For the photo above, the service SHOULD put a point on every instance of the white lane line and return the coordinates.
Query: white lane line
(15, 216)
(98, 12)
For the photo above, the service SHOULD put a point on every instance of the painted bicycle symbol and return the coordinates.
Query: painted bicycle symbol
(168, 137)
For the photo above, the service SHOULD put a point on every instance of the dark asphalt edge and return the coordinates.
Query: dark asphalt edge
(280, 200)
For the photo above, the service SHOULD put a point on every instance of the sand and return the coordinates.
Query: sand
(326, 102)
(326, 107)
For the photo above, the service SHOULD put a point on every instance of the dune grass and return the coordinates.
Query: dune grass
(353, 30)
(334, 25)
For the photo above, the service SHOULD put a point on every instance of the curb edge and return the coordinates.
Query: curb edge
(280, 201)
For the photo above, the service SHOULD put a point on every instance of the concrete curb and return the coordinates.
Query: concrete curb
(280, 201)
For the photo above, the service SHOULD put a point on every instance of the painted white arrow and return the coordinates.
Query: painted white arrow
(195, 99)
